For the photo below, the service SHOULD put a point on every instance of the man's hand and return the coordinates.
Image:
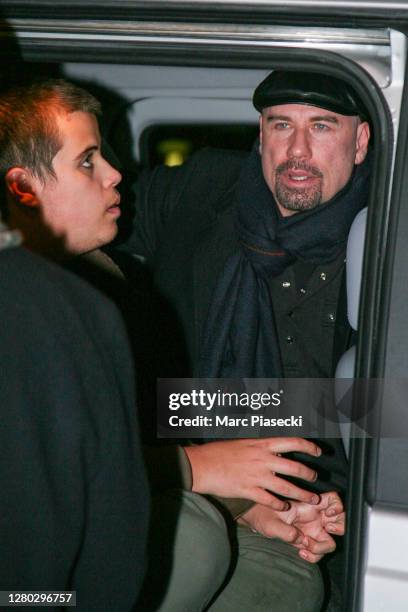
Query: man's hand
(249, 469)
(304, 526)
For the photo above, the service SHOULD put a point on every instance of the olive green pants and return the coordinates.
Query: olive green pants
(196, 565)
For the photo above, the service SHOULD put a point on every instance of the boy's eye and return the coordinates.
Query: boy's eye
(87, 162)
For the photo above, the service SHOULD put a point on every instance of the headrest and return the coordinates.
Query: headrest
(354, 265)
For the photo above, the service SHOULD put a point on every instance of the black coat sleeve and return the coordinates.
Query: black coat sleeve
(155, 195)
(194, 188)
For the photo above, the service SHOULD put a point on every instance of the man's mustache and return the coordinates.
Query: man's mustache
(298, 165)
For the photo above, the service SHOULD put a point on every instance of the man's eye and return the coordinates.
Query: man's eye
(87, 162)
(321, 127)
(281, 125)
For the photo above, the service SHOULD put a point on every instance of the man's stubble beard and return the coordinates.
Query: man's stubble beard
(298, 199)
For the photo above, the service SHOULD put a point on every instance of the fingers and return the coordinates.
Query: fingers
(267, 522)
(333, 516)
(332, 498)
(241, 468)
(261, 496)
(287, 533)
(334, 509)
(337, 526)
(313, 550)
(308, 556)
(288, 489)
(320, 547)
(333, 503)
(289, 445)
(292, 468)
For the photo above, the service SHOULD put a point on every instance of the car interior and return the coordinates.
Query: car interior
(170, 89)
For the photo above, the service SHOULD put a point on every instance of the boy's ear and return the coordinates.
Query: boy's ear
(19, 184)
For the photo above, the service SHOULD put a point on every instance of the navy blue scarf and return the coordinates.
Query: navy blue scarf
(240, 338)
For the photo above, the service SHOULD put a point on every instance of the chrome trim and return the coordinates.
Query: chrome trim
(240, 32)
(368, 47)
(328, 6)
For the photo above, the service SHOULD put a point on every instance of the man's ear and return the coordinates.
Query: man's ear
(20, 186)
(362, 139)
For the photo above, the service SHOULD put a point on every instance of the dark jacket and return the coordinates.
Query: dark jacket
(184, 226)
(74, 498)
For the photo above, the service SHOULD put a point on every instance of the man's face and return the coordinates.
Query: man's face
(80, 206)
(308, 153)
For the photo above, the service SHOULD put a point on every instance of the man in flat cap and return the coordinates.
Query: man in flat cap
(248, 251)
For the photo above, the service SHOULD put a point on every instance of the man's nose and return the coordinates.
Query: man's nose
(112, 176)
(299, 145)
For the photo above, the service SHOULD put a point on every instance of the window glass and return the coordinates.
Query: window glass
(173, 144)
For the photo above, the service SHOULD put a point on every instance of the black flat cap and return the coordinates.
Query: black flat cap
(311, 88)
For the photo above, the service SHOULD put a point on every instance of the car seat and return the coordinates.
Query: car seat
(345, 367)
